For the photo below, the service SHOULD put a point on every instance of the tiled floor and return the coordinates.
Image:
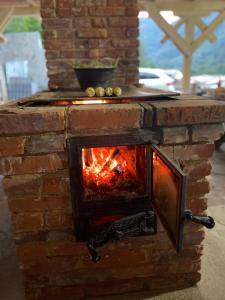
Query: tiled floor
(212, 285)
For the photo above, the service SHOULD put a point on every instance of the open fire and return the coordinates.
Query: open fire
(115, 170)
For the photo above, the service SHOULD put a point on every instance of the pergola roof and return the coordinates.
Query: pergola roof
(21, 7)
(191, 6)
(189, 11)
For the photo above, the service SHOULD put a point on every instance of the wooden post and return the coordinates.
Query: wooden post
(187, 65)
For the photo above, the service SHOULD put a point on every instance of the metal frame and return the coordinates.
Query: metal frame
(83, 210)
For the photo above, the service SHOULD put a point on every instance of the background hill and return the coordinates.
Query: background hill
(209, 59)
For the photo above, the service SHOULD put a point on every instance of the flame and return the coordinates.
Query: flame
(109, 169)
(78, 102)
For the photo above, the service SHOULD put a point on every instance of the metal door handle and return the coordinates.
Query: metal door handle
(207, 221)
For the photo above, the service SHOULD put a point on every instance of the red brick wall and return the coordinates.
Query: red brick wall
(90, 29)
(34, 164)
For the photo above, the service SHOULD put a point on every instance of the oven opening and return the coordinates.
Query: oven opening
(114, 172)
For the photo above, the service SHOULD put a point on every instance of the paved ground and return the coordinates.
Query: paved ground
(212, 285)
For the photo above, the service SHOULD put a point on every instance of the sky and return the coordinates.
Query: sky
(168, 16)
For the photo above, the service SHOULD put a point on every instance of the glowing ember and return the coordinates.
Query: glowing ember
(78, 102)
(113, 169)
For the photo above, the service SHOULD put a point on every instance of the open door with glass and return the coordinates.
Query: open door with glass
(168, 189)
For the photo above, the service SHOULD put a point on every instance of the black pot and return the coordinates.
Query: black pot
(94, 77)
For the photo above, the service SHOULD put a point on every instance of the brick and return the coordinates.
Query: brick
(65, 248)
(93, 33)
(45, 143)
(185, 266)
(194, 238)
(132, 21)
(132, 53)
(64, 3)
(175, 135)
(81, 22)
(48, 4)
(113, 287)
(22, 185)
(55, 184)
(65, 34)
(50, 34)
(99, 22)
(65, 293)
(26, 222)
(56, 23)
(113, 116)
(32, 164)
(59, 44)
(48, 13)
(15, 121)
(71, 12)
(117, 22)
(40, 204)
(91, 2)
(132, 32)
(132, 10)
(180, 112)
(197, 170)
(117, 32)
(31, 254)
(118, 2)
(193, 152)
(207, 133)
(198, 188)
(56, 202)
(107, 11)
(27, 204)
(196, 205)
(58, 220)
(10, 146)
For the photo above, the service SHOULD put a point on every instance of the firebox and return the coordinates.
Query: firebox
(120, 184)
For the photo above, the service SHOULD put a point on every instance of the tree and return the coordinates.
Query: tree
(24, 24)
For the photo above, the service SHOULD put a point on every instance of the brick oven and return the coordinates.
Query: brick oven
(51, 145)
(34, 161)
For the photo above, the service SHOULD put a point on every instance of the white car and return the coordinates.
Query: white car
(156, 78)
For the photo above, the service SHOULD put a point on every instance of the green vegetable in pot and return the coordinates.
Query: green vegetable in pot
(117, 91)
(90, 92)
(109, 91)
(100, 91)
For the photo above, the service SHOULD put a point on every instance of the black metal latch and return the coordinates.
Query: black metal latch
(206, 221)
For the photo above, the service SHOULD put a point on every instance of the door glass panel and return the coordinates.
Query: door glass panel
(168, 192)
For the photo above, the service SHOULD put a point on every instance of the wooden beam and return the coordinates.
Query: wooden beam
(176, 27)
(17, 3)
(5, 16)
(210, 29)
(202, 26)
(26, 11)
(33, 3)
(187, 65)
(194, 5)
(166, 27)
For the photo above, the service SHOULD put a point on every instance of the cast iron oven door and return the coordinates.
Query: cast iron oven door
(122, 179)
